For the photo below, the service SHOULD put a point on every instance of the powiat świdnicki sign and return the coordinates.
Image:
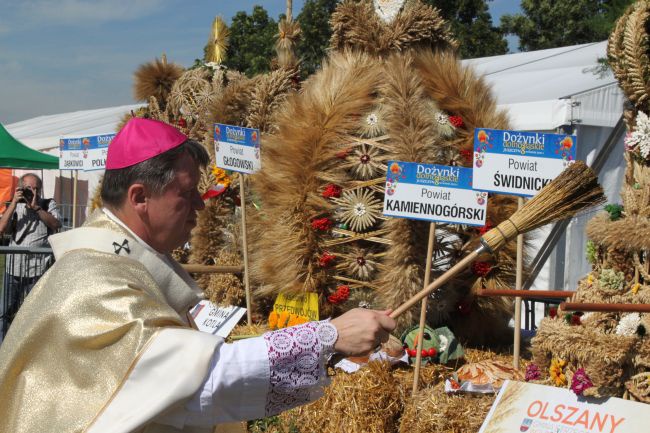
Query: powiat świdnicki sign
(519, 163)
(435, 193)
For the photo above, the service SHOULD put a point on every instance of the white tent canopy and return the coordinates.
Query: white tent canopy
(545, 89)
(43, 132)
(542, 90)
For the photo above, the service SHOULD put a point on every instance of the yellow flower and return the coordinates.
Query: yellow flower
(590, 279)
(556, 371)
(292, 320)
(225, 182)
(282, 320)
(273, 320)
(218, 173)
(635, 288)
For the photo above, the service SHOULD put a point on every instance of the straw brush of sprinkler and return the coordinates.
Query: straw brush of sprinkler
(575, 189)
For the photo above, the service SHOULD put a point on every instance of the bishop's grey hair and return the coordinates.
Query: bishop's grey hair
(155, 173)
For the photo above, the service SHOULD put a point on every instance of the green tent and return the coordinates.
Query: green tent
(14, 154)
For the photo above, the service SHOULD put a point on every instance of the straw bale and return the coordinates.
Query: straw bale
(432, 410)
(253, 330)
(368, 401)
(430, 375)
(379, 398)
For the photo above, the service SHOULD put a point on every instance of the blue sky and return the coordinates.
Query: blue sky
(58, 56)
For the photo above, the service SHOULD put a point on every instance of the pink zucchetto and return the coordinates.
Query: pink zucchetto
(139, 140)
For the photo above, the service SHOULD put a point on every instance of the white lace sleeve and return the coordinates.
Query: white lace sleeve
(297, 359)
(260, 377)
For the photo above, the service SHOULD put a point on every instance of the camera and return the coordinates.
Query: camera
(28, 194)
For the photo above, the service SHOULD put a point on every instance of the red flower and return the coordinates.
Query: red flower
(457, 121)
(322, 224)
(332, 190)
(182, 123)
(326, 259)
(575, 320)
(580, 382)
(467, 154)
(341, 295)
(481, 268)
(552, 312)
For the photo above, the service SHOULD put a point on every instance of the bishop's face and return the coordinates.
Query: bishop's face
(172, 214)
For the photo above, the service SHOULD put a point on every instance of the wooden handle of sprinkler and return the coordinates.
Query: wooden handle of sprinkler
(438, 282)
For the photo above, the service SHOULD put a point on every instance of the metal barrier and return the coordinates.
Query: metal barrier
(67, 210)
(21, 268)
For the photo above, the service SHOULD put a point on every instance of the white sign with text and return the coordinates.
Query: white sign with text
(436, 193)
(237, 148)
(519, 163)
(532, 408)
(215, 319)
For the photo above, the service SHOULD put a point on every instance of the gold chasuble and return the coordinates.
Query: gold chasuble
(101, 343)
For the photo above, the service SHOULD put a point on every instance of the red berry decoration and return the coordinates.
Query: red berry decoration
(322, 224)
(342, 154)
(484, 229)
(467, 155)
(481, 269)
(457, 121)
(341, 295)
(332, 191)
(432, 352)
(412, 353)
(326, 259)
(424, 353)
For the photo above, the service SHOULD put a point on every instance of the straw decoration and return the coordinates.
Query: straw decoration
(575, 189)
(218, 42)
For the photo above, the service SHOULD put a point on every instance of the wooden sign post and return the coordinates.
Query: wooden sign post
(423, 307)
(436, 193)
(519, 163)
(238, 149)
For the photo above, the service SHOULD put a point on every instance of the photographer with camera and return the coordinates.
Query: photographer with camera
(29, 219)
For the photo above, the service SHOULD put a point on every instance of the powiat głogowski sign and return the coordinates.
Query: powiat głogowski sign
(237, 148)
(436, 193)
(84, 153)
(519, 163)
